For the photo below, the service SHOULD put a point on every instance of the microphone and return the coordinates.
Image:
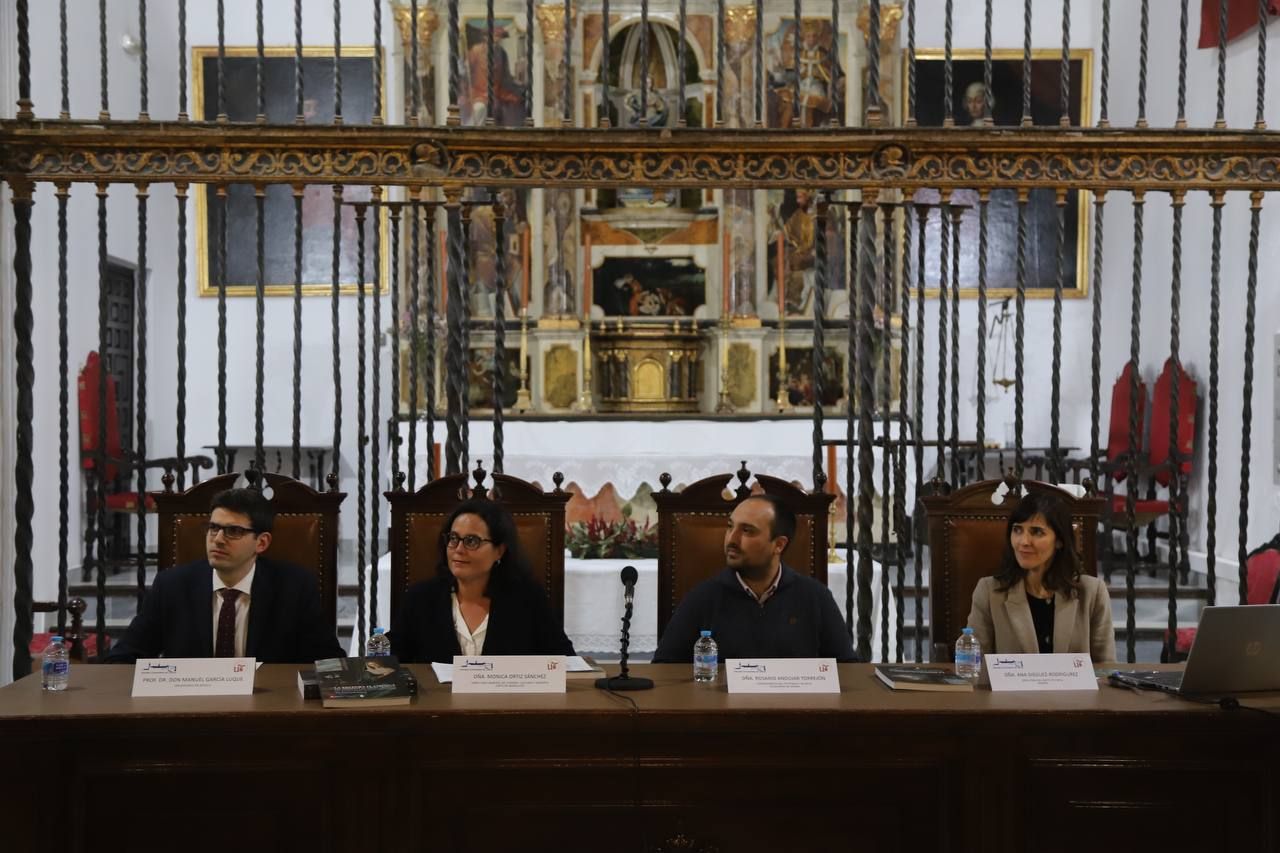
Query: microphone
(624, 681)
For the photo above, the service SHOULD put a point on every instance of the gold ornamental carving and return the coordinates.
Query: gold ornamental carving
(890, 19)
(428, 20)
(551, 22)
(739, 24)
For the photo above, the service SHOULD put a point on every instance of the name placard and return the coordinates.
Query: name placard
(1041, 672)
(509, 673)
(782, 675)
(193, 677)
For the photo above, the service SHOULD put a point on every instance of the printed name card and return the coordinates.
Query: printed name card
(193, 677)
(509, 673)
(1041, 672)
(782, 675)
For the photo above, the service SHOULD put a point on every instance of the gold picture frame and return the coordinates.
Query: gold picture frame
(240, 78)
(967, 69)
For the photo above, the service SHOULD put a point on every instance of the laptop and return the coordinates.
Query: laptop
(1236, 650)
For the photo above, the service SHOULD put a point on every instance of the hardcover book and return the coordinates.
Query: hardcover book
(921, 678)
(364, 682)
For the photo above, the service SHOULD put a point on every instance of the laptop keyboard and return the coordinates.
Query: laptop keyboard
(1164, 679)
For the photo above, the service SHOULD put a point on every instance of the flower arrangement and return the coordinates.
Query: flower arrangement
(598, 539)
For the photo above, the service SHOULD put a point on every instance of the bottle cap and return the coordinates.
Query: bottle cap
(967, 631)
(706, 633)
(55, 639)
(379, 631)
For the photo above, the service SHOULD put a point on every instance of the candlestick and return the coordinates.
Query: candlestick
(779, 272)
(725, 405)
(725, 275)
(523, 403)
(525, 262)
(443, 255)
(586, 278)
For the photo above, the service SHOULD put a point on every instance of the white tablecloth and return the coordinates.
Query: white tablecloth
(593, 605)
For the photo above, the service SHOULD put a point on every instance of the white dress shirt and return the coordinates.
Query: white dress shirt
(242, 609)
(470, 642)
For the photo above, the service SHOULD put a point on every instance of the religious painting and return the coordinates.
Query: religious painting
(239, 88)
(483, 244)
(649, 287)
(968, 97)
(800, 384)
(739, 217)
(422, 100)
(480, 373)
(792, 250)
(805, 89)
(510, 73)
(739, 70)
(559, 252)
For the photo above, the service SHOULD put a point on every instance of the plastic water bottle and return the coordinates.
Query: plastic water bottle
(968, 656)
(379, 644)
(706, 657)
(55, 668)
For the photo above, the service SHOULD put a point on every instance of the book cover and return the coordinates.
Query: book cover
(364, 682)
(921, 678)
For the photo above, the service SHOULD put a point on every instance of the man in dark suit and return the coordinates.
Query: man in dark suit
(235, 603)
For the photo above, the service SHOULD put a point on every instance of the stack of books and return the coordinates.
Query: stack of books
(921, 678)
(364, 682)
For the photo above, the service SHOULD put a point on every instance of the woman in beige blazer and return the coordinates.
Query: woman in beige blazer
(1039, 601)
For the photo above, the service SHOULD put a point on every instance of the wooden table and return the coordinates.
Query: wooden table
(688, 768)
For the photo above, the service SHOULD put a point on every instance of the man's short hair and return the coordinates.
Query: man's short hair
(250, 502)
(784, 518)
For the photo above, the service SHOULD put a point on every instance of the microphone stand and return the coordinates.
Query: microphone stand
(623, 680)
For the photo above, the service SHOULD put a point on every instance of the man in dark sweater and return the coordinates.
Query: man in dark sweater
(758, 607)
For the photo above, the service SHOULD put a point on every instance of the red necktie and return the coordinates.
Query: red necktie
(225, 644)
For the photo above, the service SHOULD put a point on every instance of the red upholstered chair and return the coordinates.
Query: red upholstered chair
(110, 477)
(1262, 572)
(691, 525)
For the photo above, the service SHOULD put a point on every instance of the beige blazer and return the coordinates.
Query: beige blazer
(1001, 620)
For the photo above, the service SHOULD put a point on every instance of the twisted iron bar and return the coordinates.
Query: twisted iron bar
(415, 342)
(104, 110)
(984, 201)
(832, 94)
(758, 82)
(99, 477)
(375, 447)
(1105, 86)
(182, 61)
(143, 114)
(455, 361)
(987, 102)
(63, 59)
(362, 435)
(415, 115)
(489, 100)
(901, 524)
(260, 331)
(1260, 123)
(455, 57)
(393, 437)
(948, 82)
(140, 392)
(1019, 332)
(259, 69)
(377, 61)
(1221, 120)
(795, 58)
(644, 59)
(866, 397)
(568, 66)
(1064, 68)
(1182, 68)
(1176, 492)
(911, 67)
(1026, 64)
(1131, 459)
(1215, 316)
(605, 121)
(464, 304)
(922, 215)
(1144, 30)
(1055, 386)
(64, 441)
(24, 417)
(300, 107)
(222, 328)
(337, 62)
(429, 362)
(956, 213)
(221, 66)
(682, 110)
(528, 53)
(180, 191)
(298, 192)
(334, 292)
(944, 260)
(873, 58)
(721, 38)
(1246, 411)
(499, 334)
(1095, 410)
(854, 329)
(819, 335)
(887, 450)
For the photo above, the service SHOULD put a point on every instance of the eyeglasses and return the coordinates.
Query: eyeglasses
(470, 541)
(231, 531)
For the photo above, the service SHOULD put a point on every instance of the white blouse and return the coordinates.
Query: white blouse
(470, 642)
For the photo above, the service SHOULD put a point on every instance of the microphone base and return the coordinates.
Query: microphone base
(620, 682)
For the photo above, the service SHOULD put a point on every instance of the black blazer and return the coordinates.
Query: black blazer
(521, 622)
(176, 619)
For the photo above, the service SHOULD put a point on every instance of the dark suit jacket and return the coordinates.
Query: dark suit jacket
(521, 622)
(176, 619)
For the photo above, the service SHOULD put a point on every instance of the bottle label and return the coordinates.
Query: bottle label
(56, 667)
(707, 660)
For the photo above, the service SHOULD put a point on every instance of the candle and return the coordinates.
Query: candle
(444, 274)
(586, 276)
(725, 280)
(524, 254)
(778, 276)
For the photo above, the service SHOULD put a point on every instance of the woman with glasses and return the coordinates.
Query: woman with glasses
(483, 600)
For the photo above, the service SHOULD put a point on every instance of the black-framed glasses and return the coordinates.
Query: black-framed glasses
(470, 541)
(231, 531)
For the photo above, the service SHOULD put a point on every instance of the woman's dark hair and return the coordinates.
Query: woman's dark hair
(1063, 574)
(513, 566)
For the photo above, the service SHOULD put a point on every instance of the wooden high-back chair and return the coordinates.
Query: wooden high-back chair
(967, 538)
(691, 527)
(305, 532)
(417, 522)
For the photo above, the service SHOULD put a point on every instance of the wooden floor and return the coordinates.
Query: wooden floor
(688, 768)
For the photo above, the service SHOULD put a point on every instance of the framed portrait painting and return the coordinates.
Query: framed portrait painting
(968, 102)
(239, 96)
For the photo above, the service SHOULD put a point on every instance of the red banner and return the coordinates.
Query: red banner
(1242, 16)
